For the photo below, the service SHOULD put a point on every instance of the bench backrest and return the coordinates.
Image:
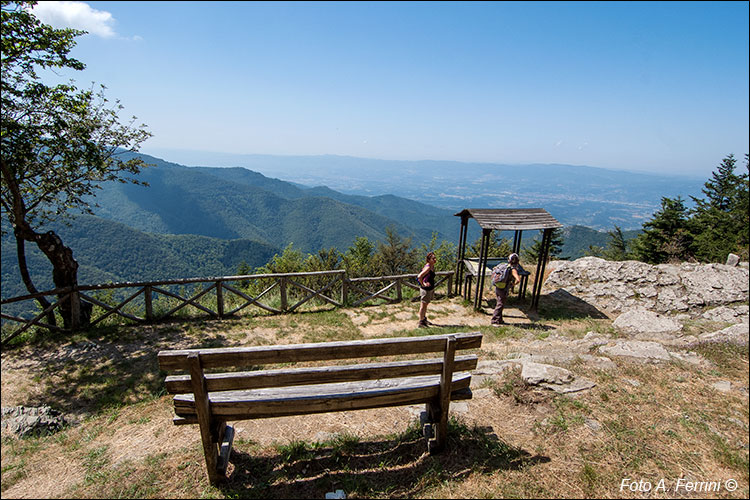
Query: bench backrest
(250, 357)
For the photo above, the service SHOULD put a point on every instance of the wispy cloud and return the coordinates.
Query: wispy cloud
(77, 15)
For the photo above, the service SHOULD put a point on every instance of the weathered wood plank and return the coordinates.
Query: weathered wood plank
(303, 400)
(321, 351)
(203, 412)
(179, 384)
(314, 293)
(251, 300)
(378, 294)
(116, 309)
(225, 449)
(189, 301)
(444, 398)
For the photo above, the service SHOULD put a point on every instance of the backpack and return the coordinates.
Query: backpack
(500, 275)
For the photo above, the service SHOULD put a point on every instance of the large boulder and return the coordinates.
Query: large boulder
(637, 350)
(640, 320)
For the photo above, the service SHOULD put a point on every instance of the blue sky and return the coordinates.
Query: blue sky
(658, 87)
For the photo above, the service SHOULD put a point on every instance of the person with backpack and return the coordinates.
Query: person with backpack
(504, 277)
(426, 279)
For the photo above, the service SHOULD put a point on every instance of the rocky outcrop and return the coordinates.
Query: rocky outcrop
(26, 421)
(665, 289)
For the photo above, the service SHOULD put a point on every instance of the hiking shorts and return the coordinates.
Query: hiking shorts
(426, 296)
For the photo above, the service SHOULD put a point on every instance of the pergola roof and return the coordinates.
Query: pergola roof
(511, 219)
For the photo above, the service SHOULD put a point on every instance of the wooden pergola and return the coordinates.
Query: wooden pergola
(504, 219)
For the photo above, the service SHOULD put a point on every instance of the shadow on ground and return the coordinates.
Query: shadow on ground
(399, 468)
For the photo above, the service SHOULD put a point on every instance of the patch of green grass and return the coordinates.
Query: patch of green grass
(294, 451)
(95, 462)
(730, 359)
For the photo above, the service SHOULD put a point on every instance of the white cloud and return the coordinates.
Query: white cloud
(77, 15)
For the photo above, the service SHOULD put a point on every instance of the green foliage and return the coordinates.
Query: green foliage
(532, 253)
(445, 253)
(667, 237)
(499, 247)
(58, 142)
(721, 219)
(716, 226)
(358, 258)
(395, 255)
(618, 248)
(290, 261)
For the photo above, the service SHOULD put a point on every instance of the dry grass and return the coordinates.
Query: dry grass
(642, 422)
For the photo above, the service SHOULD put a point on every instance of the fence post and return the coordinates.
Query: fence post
(148, 300)
(75, 309)
(398, 289)
(219, 299)
(344, 288)
(282, 291)
(450, 285)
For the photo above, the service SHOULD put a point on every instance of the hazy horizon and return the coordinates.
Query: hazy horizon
(657, 87)
(202, 158)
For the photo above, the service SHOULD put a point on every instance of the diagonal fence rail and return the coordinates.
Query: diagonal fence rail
(145, 302)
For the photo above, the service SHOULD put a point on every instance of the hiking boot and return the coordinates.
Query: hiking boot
(422, 323)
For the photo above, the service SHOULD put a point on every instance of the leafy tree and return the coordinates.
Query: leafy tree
(324, 260)
(358, 258)
(667, 237)
(532, 253)
(59, 143)
(290, 261)
(395, 255)
(721, 219)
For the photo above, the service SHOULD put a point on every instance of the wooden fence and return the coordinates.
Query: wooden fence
(274, 293)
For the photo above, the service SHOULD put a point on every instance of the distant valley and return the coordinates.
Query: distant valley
(575, 195)
(206, 221)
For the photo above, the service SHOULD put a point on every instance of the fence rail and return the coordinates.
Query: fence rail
(274, 293)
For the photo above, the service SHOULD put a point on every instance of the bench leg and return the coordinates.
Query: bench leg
(436, 430)
(435, 427)
(209, 427)
(225, 440)
(439, 409)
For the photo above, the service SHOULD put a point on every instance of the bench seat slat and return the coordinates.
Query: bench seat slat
(320, 351)
(178, 384)
(301, 400)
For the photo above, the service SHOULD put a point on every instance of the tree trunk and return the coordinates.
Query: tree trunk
(24, 270)
(74, 312)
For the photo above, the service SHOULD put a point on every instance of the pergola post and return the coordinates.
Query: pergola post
(483, 251)
(517, 241)
(462, 234)
(540, 266)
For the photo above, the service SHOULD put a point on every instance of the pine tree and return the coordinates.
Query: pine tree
(721, 219)
(667, 237)
(617, 247)
(532, 253)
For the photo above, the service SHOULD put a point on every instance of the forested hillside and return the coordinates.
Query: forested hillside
(237, 203)
(109, 251)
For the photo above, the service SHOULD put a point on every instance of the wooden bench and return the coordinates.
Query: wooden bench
(209, 397)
